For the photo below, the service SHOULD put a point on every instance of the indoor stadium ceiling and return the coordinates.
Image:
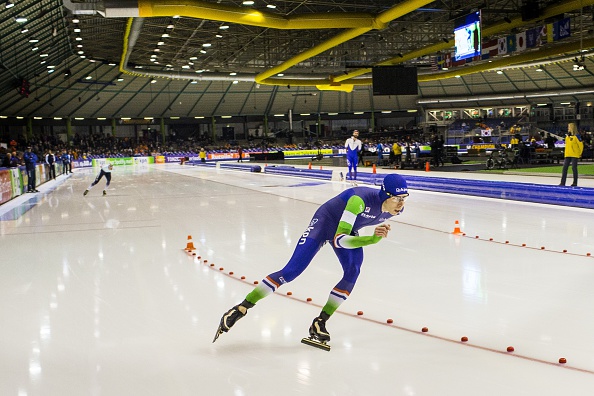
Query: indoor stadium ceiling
(188, 58)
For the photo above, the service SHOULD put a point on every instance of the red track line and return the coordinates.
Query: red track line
(425, 334)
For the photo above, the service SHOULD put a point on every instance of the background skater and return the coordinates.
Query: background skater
(337, 221)
(105, 171)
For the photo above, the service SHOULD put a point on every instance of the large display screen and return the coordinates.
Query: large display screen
(467, 36)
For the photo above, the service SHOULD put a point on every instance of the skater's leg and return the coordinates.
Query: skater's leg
(302, 256)
(351, 260)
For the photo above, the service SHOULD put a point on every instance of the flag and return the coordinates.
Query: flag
(563, 29)
(550, 31)
(511, 43)
(447, 60)
(502, 46)
(521, 41)
(434, 63)
(490, 49)
(532, 37)
(455, 62)
(542, 35)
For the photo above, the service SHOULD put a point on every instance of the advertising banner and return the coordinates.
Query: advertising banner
(16, 179)
(5, 186)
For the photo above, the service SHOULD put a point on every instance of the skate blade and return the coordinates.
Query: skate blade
(219, 332)
(316, 344)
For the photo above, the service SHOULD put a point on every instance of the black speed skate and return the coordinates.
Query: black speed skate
(318, 335)
(232, 316)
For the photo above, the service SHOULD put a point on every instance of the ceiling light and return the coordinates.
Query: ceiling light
(185, 67)
(206, 44)
(34, 48)
(224, 27)
(79, 118)
(43, 55)
(79, 46)
(51, 67)
(248, 2)
(24, 30)
(161, 43)
(193, 58)
(75, 20)
(112, 64)
(153, 81)
(81, 52)
(202, 52)
(78, 38)
(76, 30)
(199, 117)
(120, 79)
(235, 82)
(33, 40)
(457, 76)
(218, 36)
(499, 71)
(232, 74)
(20, 19)
(539, 69)
(386, 111)
(156, 50)
(193, 82)
(270, 6)
(280, 74)
(170, 26)
(411, 110)
(9, 4)
(225, 116)
(165, 35)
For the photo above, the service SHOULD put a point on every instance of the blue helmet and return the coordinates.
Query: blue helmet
(393, 185)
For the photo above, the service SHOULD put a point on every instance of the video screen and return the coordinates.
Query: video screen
(467, 36)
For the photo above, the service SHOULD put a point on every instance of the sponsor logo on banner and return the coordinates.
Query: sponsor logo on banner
(521, 41)
(502, 50)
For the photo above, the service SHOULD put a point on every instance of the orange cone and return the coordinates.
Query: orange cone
(373, 171)
(457, 230)
(190, 244)
(309, 167)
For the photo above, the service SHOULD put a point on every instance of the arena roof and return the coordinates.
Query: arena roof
(189, 58)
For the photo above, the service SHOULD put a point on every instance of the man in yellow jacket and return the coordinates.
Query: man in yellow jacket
(573, 151)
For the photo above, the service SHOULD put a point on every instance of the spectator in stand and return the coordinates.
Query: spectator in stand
(550, 141)
(14, 160)
(50, 161)
(30, 159)
(573, 151)
(240, 154)
(6, 161)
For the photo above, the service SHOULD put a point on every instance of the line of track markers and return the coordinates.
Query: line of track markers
(464, 340)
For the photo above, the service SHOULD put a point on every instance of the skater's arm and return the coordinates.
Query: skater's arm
(342, 237)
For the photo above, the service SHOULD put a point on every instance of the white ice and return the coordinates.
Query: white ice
(98, 297)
